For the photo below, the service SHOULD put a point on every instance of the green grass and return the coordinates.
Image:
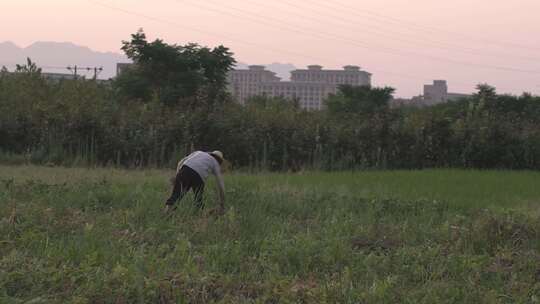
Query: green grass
(434, 236)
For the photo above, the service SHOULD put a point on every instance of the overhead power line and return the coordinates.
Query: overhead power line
(258, 46)
(75, 70)
(266, 48)
(379, 31)
(410, 24)
(41, 66)
(260, 19)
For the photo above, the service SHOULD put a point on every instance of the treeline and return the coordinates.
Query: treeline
(144, 121)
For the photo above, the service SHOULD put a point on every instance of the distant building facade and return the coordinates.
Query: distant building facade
(438, 93)
(58, 76)
(310, 95)
(55, 77)
(247, 83)
(122, 67)
(435, 93)
(349, 75)
(309, 86)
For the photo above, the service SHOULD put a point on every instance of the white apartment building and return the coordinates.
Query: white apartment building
(310, 87)
(349, 75)
(435, 93)
(247, 83)
(438, 93)
(310, 95)
(122, 67)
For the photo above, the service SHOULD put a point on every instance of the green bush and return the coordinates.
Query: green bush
(86, 123)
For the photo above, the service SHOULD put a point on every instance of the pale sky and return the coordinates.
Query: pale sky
(403, 43)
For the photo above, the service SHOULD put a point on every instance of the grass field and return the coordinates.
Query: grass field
(434, 236)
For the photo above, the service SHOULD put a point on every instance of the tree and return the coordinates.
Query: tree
(264, 101)
(30, 68)
(486, 91)
(174, 72)
(359, 99)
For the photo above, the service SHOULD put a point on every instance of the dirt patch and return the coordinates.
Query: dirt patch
(383, 244)
(501, 265)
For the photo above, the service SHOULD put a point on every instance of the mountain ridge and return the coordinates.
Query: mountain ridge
(56, 56)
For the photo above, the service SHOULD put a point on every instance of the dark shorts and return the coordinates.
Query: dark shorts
(187, 179)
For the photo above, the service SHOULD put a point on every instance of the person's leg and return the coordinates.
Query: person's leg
(198, 190)
(197, 184)
(180, 188)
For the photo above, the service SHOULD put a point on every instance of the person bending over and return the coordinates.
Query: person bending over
(191, 174)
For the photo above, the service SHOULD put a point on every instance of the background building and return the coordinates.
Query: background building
(56, 77)
(349, 75)
(246, 83)
(309, 87)
(435, 93)
(438, 93)
(310, 95)
(122, 67)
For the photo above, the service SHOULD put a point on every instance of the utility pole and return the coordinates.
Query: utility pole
(73, 69)
(76, 68)
(97, 71)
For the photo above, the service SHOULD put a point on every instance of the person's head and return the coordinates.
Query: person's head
(218, 155)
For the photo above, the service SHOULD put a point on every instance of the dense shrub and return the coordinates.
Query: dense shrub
(92, 123)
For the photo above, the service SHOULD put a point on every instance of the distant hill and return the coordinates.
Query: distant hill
(55, 56)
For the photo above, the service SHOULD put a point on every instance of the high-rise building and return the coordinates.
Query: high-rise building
(122, 67)
(309, 87)
(438, 93)
(247, 83)
(435, 93)
(349, 75)
(310, 95)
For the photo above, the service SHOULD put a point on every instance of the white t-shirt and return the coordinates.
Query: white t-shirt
(203, 163)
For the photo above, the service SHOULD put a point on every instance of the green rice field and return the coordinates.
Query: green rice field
(71, 235)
